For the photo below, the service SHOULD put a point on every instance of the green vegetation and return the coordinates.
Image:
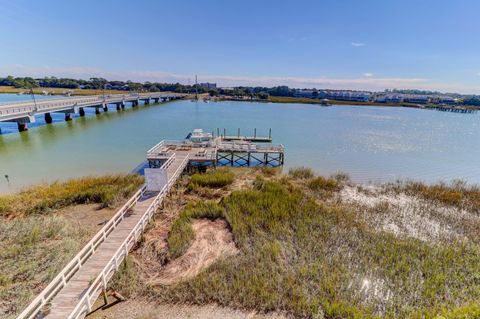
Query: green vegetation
(32, 251)
(181, 235)
(301, 172)
(316, 258)
(105, 190)
(35, 246)
(214, 178)
(457, 194)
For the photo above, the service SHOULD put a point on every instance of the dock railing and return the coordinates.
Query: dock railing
(100, 283)
(156, 147)
(168, 162)
(79, 260)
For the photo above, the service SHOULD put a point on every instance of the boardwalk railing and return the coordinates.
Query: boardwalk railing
(100, 283)
(156, 147)
(60, 281)
(77, 262)
(169, 162)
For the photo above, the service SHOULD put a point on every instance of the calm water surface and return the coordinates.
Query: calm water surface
(367, 142)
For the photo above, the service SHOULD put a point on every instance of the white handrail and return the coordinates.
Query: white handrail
(168, 162)
(85, 304)
(153, 149)
(77, 262)
(50, 104)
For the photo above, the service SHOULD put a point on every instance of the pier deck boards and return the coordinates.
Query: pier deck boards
(64, 303)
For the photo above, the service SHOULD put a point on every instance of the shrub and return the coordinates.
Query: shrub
(325, 184)
(301, 172)
(215, 178)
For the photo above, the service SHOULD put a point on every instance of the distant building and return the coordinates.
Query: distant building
(416, 99)
(443, 99)
(346, 96)
(208, 85)
(390, 98)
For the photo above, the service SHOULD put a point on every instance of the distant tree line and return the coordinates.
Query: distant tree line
(101, 83)
(240, 91)
(96, 83)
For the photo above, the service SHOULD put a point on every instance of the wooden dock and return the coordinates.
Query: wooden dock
(72, 293)
(74, 290)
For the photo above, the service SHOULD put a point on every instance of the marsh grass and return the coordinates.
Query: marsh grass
(312, 260)
(456, 194)
(301, 173)
(32, 251)
(214, 178)
(105, 190)
(35, 246)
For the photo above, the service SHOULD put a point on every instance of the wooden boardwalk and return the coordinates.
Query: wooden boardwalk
(79, 288)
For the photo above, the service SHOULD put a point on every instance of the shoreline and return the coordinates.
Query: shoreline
(287, 99)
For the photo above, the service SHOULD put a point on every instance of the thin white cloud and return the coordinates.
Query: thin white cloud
(358, 44)
(368, 75)
(362, 83)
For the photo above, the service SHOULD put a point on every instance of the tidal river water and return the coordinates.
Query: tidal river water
(371, 144)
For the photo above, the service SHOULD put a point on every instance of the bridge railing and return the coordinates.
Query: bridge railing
(79, 260)
(9, 108)
(100, 283)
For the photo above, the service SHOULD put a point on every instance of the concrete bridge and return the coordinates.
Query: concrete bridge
(24, 112)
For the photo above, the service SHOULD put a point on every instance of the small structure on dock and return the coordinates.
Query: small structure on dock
(209, 150)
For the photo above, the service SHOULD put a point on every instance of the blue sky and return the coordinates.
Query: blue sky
(325, 44)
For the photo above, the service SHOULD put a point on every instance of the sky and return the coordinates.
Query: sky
(342, 44)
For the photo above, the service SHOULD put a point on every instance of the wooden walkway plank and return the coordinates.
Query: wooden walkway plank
(65, 301)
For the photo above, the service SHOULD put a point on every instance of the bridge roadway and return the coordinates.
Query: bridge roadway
(75, 289)
(24, 112)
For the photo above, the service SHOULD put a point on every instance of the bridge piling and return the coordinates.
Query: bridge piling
(68, 117)
(81, 111)
(48, 118)
(118, 106)
(22, 127)
(105, 107)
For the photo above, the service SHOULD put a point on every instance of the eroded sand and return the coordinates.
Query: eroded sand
(213, 240)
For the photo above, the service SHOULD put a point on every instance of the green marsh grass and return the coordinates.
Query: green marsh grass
(36, 243)
(214, 178)
(105, 190)
(315, 260)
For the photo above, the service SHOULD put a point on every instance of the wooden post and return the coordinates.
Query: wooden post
(224, 132)
(254, 132)
(105, 299)
(270, 134)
